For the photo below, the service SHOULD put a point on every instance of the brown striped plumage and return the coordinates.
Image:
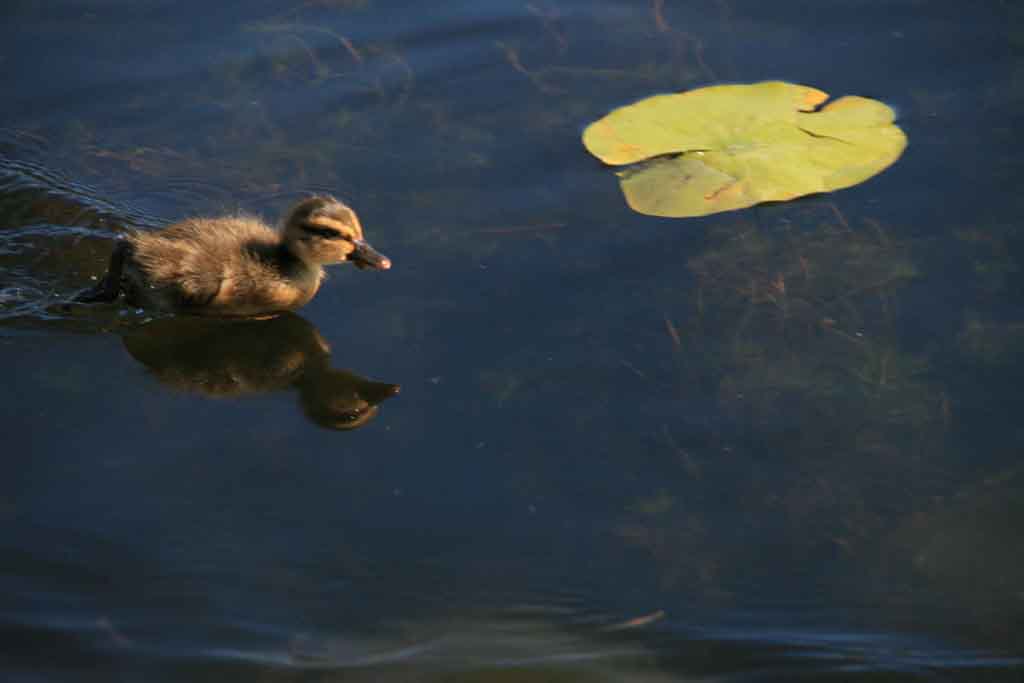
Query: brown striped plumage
(237, 265)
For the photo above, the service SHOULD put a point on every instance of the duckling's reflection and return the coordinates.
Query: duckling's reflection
(231, 358)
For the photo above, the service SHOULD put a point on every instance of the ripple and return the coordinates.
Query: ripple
(54, 232)
(29, 189)
(24, 141)
(172, 193)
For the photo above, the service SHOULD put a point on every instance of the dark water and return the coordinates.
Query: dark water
(621, 451)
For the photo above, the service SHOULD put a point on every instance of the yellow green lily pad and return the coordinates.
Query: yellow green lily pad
(728, 147)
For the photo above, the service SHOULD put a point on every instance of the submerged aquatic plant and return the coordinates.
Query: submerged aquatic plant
(810, 313)
(792, 332)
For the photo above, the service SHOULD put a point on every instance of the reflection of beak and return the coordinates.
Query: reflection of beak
(375, 392)
(366, 256)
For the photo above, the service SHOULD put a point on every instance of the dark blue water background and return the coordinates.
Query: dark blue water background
(620, 451)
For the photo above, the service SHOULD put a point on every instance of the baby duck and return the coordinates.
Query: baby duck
(236, 266)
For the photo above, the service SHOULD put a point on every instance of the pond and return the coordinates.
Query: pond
(558, 440)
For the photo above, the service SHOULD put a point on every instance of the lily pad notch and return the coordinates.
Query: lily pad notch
(728, 147)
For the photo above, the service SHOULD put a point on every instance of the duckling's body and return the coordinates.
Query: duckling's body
(237, 265)
(222, 266)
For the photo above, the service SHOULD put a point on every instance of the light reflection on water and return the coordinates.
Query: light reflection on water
(601, 414)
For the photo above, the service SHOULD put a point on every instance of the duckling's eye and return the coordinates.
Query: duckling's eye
(326, 233)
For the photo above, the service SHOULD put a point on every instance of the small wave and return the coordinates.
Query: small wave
(849, 651)
(190, 193)
(54, 233)
(28, 188)
(24, 141)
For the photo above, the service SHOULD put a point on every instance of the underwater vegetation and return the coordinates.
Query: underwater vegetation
(792, 329)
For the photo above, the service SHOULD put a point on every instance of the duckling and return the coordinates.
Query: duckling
(236, 266)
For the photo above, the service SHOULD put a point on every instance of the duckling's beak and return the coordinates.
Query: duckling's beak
(366, 256)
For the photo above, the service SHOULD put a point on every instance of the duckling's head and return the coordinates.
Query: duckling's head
(321, 230)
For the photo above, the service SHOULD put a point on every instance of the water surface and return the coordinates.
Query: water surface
(778, 444)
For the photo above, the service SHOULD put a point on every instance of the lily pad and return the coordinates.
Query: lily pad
(728, 147)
